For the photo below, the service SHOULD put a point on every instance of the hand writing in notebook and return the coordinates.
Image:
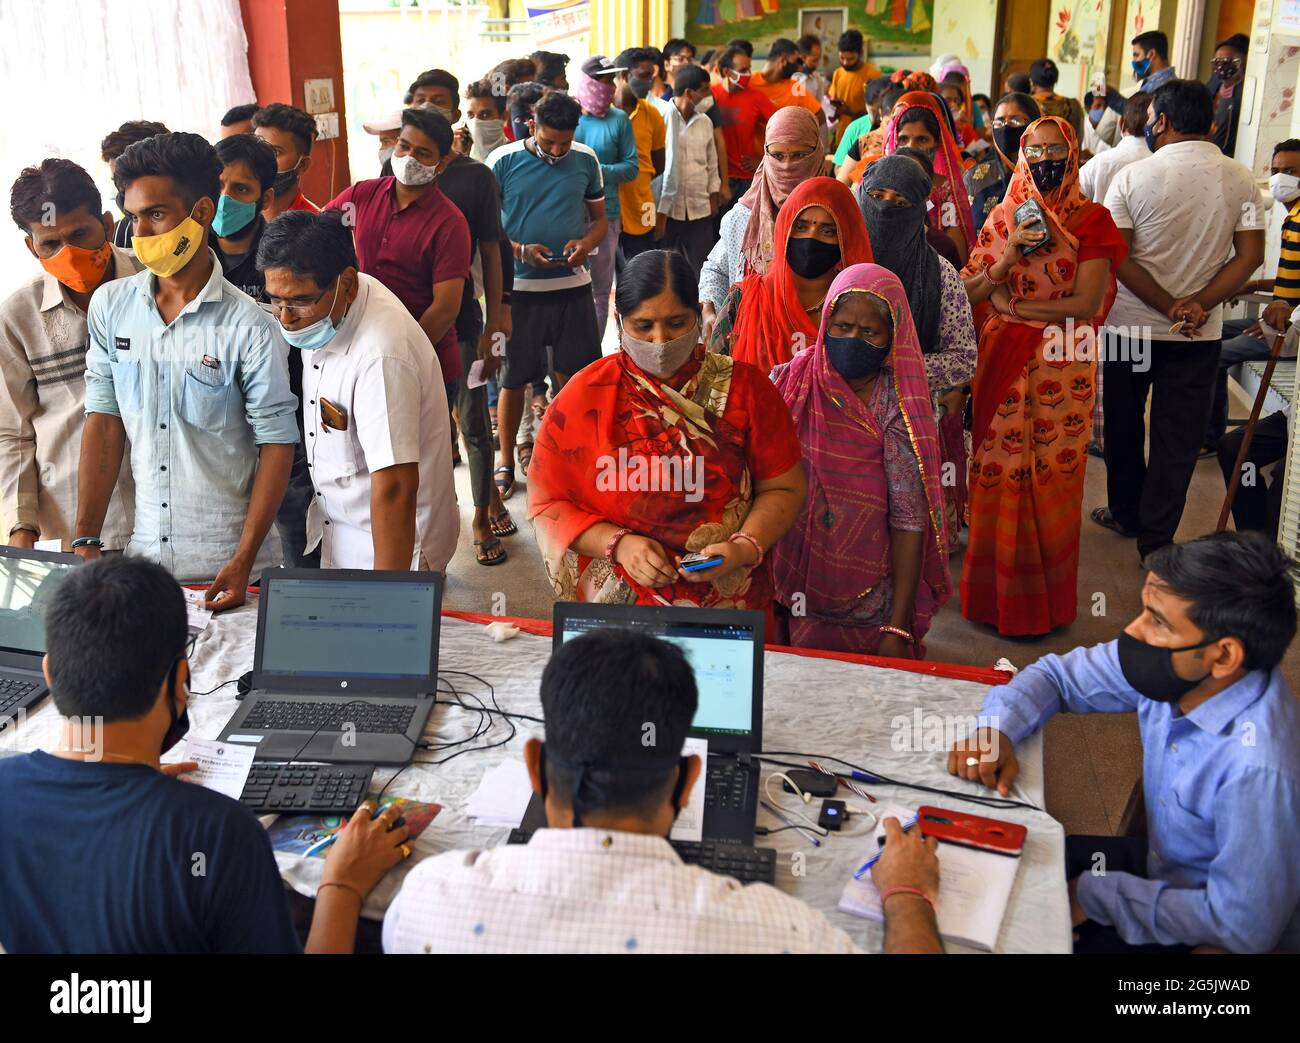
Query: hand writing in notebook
(907, 860)
(988, 756)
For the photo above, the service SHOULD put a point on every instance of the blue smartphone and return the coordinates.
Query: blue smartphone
(698, 562)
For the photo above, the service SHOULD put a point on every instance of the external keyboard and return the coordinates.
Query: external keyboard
(302, 789)
(727, 784)
(307, 715)
(13, 692)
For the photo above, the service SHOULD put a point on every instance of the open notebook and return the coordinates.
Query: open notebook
(974, 885)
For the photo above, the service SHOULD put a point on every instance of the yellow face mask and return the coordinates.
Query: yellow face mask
(168, 252)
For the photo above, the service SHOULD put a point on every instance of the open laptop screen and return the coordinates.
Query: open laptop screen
(26, 586)
(364, 629)
(722, 655)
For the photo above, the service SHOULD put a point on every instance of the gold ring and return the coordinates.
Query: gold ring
(972, 761)
(406, 850)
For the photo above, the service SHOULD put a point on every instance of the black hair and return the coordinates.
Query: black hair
(1238, 42)
(745, 45)
(706, 59)
(290, 119)
(433, 78)
(483, 89)
(876, 86)
(1188, 105)
(634, 55)
(550, 66)
(851, 40)
(1018, 83)
(988, 102)
(1290, 145)
(253, 152)
(523, 97)
(677, 44)
(513, 71)
(1239, 585)
(113, 629)
(117, 141)
(558, 111)
(690, 78)
(432, 124)
(1023, 101)
(807, 42)
(781, 45)
(727, 59)
(921, 156)
(305, 243)
(1044, 73)
(187, 159)
(1137, 109)
(954, 78)
(1154, 40)
(618, 706)
(921, 115)
(239, 114)
(651, 272)
(55, 184)
(889, 97)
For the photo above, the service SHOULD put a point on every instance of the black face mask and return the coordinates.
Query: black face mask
(638, 86)
(1149, 669)
(855, 358)
(285, 180)
(1049, 173)
(811, 257)
(180, 724)
(1007, 140)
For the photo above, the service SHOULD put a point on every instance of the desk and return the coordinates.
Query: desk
(824, 705)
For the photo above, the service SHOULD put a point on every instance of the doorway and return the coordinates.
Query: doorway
(1022, 38)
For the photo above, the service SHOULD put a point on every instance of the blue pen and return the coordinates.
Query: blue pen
(862, 776)
(866, 866)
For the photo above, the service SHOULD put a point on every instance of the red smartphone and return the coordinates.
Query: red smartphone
(983, 834)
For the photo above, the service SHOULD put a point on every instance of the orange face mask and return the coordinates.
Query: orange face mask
(77, 268)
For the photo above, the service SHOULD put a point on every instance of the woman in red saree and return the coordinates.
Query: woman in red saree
(655, 452)
(864, 568)
(771, 316)
(1037, 315)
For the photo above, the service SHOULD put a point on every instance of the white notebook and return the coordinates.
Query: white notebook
(974, 887)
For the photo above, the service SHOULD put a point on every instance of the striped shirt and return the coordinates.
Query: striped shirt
(1286, 287)
(43, 342)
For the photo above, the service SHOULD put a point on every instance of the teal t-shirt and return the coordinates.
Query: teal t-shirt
(855, 130)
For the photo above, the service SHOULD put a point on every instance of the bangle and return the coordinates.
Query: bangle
(889, 628)
(612, 545)
(1011, 307)
(87, 541)
(362, 898)
(744, 537)
(988, 274)
(904, 889)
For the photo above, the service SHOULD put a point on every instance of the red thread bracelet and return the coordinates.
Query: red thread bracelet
(904, 889)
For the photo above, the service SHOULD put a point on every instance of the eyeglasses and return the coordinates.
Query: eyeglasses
(1050, 151)
(296, 311)
(1014, 121)
(787, 157)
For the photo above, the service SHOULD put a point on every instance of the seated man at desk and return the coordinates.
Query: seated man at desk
(1221, 740)
(102, 850)
(603, 877)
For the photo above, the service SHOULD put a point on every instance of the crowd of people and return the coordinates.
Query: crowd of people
(866, 322)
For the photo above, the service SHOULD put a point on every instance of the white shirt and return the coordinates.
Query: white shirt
(382, 371)
(594, 891)
(1097, 175)
(1183, 204)
(690, 164)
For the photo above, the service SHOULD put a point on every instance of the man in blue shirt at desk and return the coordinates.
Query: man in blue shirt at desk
(195, 374)
(1221, 740)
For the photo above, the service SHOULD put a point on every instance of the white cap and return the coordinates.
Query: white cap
(389, 121)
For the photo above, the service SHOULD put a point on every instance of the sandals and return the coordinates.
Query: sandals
(525, 454)
(1103, 517)
(489, 551)
(503, 528)
(505, 486)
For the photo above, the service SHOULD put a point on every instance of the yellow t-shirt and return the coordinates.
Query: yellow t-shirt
(850, 88)
(635, 197)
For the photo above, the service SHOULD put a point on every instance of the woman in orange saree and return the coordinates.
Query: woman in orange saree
(1037, 313)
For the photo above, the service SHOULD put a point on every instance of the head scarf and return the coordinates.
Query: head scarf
(919, 81)
(772, 325)
(898, 240)
(950, 191)
(594, 94)
(942, 65)
(772, 184)
(839, 546)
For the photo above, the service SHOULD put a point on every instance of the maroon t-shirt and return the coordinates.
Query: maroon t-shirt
(410, 250)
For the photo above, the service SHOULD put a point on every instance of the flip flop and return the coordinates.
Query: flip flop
(525, 455)
(503, 528)
(483, 554)
(505, 487)
(1103, 517)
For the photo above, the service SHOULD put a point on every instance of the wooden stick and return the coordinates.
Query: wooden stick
(1273, 355)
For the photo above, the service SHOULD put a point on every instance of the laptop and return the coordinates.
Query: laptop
(345, 666)
(726, 649)
(27, 580)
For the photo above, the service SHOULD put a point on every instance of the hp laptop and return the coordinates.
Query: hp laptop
(345, 666)
(28, 578)
(726, 649)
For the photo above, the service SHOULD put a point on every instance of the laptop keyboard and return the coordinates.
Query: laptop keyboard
(301, 789)
(727, 785)
(13, 691)
(311, 714)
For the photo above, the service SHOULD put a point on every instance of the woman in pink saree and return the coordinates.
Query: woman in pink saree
(864, 568)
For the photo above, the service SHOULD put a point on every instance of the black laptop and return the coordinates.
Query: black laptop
(345, 666)
(28, 578)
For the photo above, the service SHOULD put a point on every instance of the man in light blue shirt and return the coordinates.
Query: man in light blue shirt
(194, 373)
(1221, 747)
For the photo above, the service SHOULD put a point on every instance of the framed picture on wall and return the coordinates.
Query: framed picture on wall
(826, 23)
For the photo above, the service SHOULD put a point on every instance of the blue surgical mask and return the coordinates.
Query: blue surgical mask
(319, 333)
(1094, 116)
(1140, 68)
(232, 216)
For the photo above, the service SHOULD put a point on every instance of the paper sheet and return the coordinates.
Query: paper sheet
(475, 379)
(690, 823)
(223, 766)
(502, 796)
(196, 616)
(51, 545)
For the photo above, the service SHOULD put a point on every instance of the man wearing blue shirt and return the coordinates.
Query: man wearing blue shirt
(195, 374)
(606, 130)
(1221, 741)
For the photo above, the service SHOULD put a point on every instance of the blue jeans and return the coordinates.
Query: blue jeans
(1237, 347)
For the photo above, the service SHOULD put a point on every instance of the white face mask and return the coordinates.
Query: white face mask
(1284, 187)
(704, 104)
(660, 360)
(411, 172)
(487, 134)
(385, 154)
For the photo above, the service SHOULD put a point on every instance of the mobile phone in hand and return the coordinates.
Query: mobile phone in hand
(696, 562)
